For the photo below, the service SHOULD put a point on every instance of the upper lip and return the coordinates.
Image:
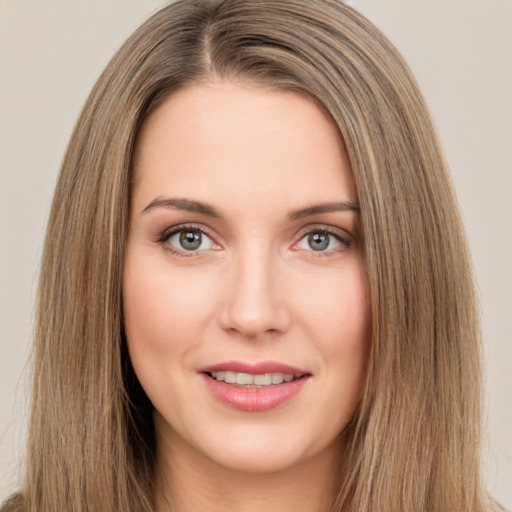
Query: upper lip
(254, 368)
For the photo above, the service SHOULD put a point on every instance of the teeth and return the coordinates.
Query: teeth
(230, 377)
(262, 380)
(246, 379)
(277, 378)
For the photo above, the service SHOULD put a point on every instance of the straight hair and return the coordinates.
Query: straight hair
(414, 442)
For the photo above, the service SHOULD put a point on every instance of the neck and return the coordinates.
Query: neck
(190, 482)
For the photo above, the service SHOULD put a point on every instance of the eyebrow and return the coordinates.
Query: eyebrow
(183, 204)
(340, 206)
(205, 209)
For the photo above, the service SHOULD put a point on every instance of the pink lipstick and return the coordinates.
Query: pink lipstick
(253, 387)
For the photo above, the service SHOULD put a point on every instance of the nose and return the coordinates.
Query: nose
(255, 303)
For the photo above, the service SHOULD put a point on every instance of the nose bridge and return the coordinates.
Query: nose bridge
(254, 302)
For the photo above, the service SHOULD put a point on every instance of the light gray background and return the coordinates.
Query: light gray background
(51, 53)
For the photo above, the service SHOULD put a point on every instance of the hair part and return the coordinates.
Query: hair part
(414, 444)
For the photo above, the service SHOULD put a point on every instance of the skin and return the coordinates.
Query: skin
(254, 290)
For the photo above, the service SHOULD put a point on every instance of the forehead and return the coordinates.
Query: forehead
(237, 141)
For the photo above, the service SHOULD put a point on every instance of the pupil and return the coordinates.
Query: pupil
(190, 240)
(318, 241)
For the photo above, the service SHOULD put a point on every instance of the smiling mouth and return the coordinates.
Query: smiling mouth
(240, 379)
(255, 387)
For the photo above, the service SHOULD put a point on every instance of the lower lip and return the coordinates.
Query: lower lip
(254, 399)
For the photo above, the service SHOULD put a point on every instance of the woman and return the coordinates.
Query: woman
(254, 191)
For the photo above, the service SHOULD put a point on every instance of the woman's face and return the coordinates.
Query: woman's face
(245, 298)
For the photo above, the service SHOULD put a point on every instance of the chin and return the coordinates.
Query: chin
(257, 458)
(263, 449)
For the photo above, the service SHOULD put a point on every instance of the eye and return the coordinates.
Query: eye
(322, 240)
(189, 240)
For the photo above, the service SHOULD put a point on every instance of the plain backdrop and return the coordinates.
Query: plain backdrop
(51, 53)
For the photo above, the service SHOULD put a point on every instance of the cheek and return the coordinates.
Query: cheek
(339, 320)
(164, 311)
(352, 329)
(338, 310)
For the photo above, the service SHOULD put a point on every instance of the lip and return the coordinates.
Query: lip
(253, 368)
(254, 399)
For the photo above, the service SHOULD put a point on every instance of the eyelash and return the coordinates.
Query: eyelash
(341, 236)
(344, 238)
(168, 233)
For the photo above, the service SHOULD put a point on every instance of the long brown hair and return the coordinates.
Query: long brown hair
(414, 444)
